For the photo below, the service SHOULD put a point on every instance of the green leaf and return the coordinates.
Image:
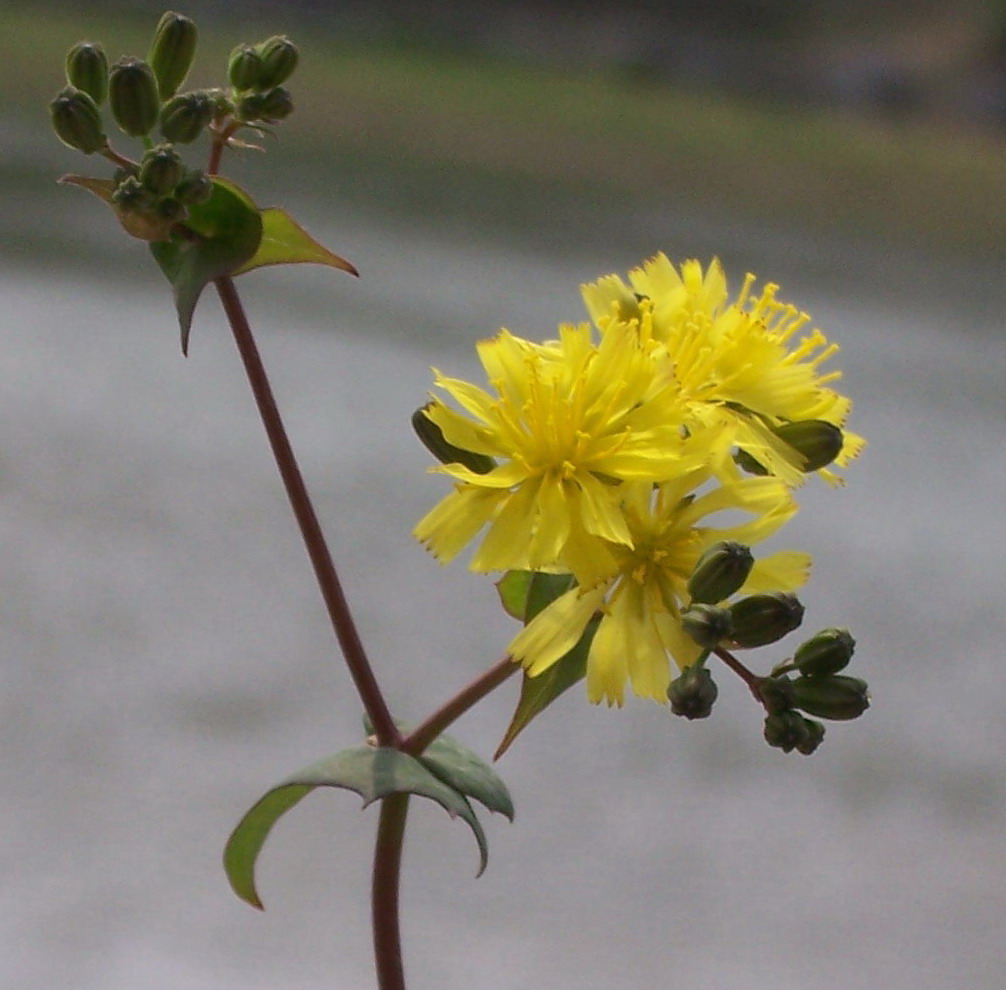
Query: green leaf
(372, 772)
(537, 693)
(513, 588)
(461, 768)
(285, 242)
(225, 233)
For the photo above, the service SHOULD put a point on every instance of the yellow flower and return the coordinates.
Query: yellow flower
(740, 364)
(640, 604)
(569, 422)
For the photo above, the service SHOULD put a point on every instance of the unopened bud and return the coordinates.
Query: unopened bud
(708, 625)
(762, 619)
(87, 69)
(275, 105)
(194, 188)
(720, 571)
(693, 692)
(837, 697)
(130, 194)
(826, 653)
(786, 731)
(161, 169)
(818, 442)
(815, 736)
(244, 69)
(184, 116)
(172, 52)
(170, 209)
(279, 58)
(77, 121)
(432, 438)
(132, 94)
(776, 694)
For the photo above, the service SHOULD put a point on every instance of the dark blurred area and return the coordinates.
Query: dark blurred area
(889, 58)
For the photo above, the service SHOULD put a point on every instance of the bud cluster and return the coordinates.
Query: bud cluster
(818, 690)
(143, 98)
(716, 624)
(161, 186)
(256, 74)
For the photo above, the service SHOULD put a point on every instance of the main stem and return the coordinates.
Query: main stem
(384, 899)
(314, 540)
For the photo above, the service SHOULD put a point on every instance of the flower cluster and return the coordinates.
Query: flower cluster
(623, 451)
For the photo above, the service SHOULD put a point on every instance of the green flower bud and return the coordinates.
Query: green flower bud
(275, 105)
(244, 69)
(124, 172)
(279, 58)
(87, 69)
(132, 94)
(787, 731)
(432, 438)
(777, 694)
(826, 653)
(693, 692)
(161, 169)
(170, 209)
(195, 187)
(815, 440)
(815, 736)
(708, 625)
(720, 571)
(761, 619)
(77, 121)
(184, 117)
(172, 51)
(132, 195)
(837, 697)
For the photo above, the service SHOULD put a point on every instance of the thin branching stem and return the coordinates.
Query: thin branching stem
(314, 540)
(424, 733)
(752, 680)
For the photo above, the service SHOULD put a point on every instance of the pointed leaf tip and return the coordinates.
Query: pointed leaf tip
(224, 232)
(285, 242)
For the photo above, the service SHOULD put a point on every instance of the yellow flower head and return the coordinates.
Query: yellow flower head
(640, 604)
(568, 424)
(740, 364)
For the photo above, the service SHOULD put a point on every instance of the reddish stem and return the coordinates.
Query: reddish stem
(384, 895)
(314, 540)
(424, 733)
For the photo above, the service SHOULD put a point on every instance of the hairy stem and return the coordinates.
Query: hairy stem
(314, 540)
(384, 899)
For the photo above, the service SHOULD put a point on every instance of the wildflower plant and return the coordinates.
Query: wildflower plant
(614, 479)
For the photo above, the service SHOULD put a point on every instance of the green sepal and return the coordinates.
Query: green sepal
(513, 590)
(372, 772)
(228, 231)
(537, 693)
(285, 242)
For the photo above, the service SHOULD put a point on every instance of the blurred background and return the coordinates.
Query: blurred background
(165, 653)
